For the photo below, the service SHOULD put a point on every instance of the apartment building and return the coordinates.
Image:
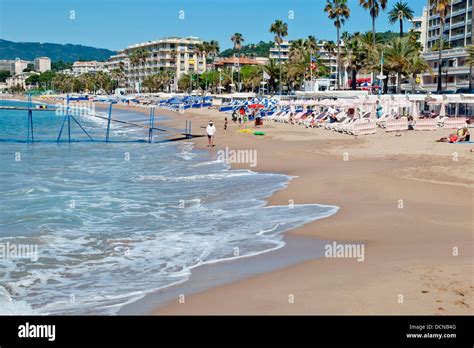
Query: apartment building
(457, 34)
(42, 64)
(168, 54)
(329, 60)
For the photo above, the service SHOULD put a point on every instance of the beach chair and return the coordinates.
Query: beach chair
(364, 127)
(455, 122)
(426, 124)
(397, 125)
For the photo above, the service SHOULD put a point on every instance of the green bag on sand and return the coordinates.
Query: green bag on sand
(259, 133)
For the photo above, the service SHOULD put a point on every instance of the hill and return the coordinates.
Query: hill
(260, 49)
(66, 53)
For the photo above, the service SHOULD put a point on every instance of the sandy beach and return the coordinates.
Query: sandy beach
(408, 200)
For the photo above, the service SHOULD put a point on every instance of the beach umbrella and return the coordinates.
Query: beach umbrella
(414, 111)
(442, 111)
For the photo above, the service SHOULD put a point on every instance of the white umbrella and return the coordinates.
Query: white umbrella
(442, 111)
(415, 112)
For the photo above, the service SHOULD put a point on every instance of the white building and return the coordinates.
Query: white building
(80, 68)
(457, 32)
(283, 53)
(16, 80)
(42, 64)
(420, 25)
(174, 54)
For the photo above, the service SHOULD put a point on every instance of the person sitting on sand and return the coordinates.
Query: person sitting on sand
(211, 131)
(452, 138)
(463, 134)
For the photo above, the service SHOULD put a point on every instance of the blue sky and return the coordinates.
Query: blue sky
(115, 24)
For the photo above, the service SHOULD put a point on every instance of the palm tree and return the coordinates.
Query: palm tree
(272, 69)
(417, 65)
(138, 57)
(297, 49)
(470, 61)
(338, 11)
(117, 75)
(280, 29)
(374, 7)
(400, 12)
(442, 8)
(355, 57)
(237, 39)
(214, 48)
(398, 56)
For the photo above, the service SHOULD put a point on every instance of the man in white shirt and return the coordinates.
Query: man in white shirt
(211, 131)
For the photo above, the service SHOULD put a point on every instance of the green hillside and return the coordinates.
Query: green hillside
(66, 53)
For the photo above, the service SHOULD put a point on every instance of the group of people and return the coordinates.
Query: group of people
(244, 117)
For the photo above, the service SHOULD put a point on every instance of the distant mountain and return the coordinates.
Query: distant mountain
(66, 53)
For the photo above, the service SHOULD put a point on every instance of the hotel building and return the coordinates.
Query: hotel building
(457, 32)
(42, 64)
(329, 60)
(174, 54)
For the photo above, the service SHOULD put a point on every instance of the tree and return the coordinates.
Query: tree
(374, 7)
(400, 12)
(213, 48)
(272, 69)
(237, 40)
(297, 49)
(252, 75)
(338, 12)
(138, 57)
(398, 56)
(4, 74)
(33, 79)
(417, 65)
(442, 8)
(280, 29)
(355, 57)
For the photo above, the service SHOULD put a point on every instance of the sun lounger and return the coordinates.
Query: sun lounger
(426, 124)
(455, 122)
(397, 125)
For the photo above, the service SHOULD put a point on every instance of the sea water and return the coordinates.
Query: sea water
(114, 221)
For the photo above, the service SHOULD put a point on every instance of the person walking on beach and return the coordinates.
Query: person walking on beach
(225, 125)
(211, 131)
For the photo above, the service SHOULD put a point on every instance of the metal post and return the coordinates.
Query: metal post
(30, 120)
(108, 123)
(152, 125)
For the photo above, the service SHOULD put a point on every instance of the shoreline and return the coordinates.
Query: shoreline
(402, 259)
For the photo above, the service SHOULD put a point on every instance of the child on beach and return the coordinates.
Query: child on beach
(225, 125)
(211, 131)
